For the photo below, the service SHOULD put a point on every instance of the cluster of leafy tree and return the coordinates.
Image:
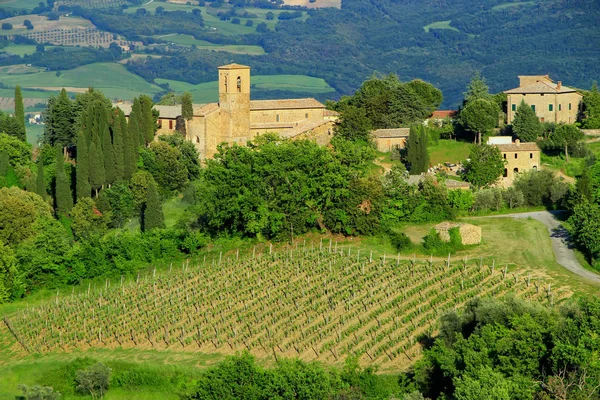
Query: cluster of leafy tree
(275, 189)
(386, 102)
(480, 111)
(236, 377)
(120, 163)
(591, 108)
(369, 35)
(511, 349)
(143, 23)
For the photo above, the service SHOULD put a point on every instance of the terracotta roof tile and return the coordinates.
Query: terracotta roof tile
(166, 112)
(330, 113)
(234, 66)
(285, 104)
(540, 87)
(527, 146)
(204, 110)
(304, 126)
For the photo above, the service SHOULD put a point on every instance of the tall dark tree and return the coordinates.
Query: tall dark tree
(417, 155)
(59, 121)
(354, 125)
(591, 108)
(97, 174)
(477, 89)
(130, 146)
(20, 111)
(119, 151)
(82, 171)
(478, 116)
(135, 118)
(152, 213)
(147, 119)
(4, 162)
(40, 182)
(187, 108)
(63, 196)
(526, 125)
(107, 148)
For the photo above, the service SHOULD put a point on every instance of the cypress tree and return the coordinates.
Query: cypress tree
(20, 112)
(97, 176)
(129, 148)
(118, 146)
(107, 148)
(83, 187)
(147, 119)
(423, 153)
(63, 196)
(40, 182)
(187, 108)
(60, 121)
(135, 117)
(152, 214)
(526, 125)
(3, 162)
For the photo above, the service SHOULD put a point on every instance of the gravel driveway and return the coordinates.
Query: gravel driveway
(560, 241)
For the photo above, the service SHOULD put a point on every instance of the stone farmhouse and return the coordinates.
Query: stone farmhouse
(551, 101)
(520, 157)
(237, 119)
(388, 139)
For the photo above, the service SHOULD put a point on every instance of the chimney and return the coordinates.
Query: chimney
(517, 142)
(558, 85)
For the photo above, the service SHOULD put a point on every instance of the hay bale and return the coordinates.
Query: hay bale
(469, 234)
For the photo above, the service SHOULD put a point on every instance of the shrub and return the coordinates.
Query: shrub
(434, 244)
(399, 240)
(488, 199)
(461, 200)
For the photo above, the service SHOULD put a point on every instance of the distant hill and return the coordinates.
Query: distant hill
(441, 41)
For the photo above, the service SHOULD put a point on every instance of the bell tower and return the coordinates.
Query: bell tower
(234, 103)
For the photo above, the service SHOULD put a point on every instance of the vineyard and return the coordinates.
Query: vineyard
(315, 301)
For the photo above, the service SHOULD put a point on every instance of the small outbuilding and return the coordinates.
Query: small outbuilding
(469, 234)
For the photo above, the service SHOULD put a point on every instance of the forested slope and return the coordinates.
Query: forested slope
(345, 46)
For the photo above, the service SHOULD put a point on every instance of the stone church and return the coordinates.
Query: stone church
(237, 119)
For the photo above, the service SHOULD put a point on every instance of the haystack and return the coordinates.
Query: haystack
(470, 234)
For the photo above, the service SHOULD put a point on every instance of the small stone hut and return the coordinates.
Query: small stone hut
(470, 234)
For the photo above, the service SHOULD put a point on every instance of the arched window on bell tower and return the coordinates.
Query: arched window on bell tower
(239, 84)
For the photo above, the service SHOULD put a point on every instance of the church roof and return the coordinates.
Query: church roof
(205, 109)
(527, 146)
(285, 104)
(304, 126)
(234, 66)
(541, 87)
(166, 112)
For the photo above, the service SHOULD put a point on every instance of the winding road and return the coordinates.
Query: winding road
(560, 241)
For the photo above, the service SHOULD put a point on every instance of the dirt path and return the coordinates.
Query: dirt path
(560, 241)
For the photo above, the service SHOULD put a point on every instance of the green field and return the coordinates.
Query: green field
(188, 40)
(509, 5)
(208, 92)
(212, 21)
(19, 49)
(452, 151)
(112, 79)
(440, 25)
(34, 133)
(19, 4)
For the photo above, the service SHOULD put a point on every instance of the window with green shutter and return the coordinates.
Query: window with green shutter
(514, 107)
(560, 107)
(569, 106)
(533, 107)
(550, 107)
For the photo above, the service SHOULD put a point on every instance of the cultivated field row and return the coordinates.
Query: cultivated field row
(313, 303)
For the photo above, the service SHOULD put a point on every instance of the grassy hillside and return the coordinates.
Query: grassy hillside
(208, 92)
(112, 79)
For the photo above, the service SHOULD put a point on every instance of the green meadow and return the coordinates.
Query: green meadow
(111, 78)
(440, 25)
(188, 40)
(207, 92)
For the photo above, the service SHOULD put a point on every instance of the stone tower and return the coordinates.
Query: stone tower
(234, 103)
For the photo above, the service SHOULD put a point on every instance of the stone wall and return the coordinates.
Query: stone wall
(524, 161)
(285, 115)
(386, 145)
(565, 106)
